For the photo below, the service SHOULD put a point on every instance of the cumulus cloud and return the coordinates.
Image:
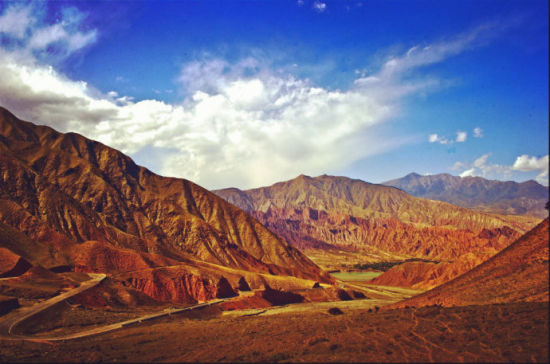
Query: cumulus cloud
(526, 163)
(240, 124)
(468, 173)
(523, 163)
(480, 167)
(478, 132)
(461, 136)
(458, 166)
(319, 6)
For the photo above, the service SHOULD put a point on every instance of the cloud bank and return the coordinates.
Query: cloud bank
(241, 124)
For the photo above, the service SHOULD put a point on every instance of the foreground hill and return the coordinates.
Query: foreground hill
(526, 198)
(519, 273)
(62, 190)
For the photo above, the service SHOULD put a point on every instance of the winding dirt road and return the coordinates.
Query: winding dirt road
(8, 322)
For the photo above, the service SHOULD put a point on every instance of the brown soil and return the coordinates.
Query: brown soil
(490, 333)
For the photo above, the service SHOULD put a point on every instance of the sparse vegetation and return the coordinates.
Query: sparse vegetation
(313, 336)
(384, 266)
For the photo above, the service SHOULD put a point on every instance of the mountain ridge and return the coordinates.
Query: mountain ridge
(503, 197)
(324, 214)
(64, 189)
(340, 200)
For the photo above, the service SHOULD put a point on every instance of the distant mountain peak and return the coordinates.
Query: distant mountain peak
(504, 197)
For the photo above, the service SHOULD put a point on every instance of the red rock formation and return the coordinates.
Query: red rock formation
(12, 265)
(7, 304)
(338, 213)
(426, 275)
(62, 190)
(178, 285)
(519, 273)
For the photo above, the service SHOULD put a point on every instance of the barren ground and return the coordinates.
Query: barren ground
(501, 333)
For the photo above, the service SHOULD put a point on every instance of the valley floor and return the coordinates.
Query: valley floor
(491, 333)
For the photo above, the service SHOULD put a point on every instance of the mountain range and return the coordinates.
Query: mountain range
(526, 198)
(324, 214)
(77, 204)
(70, 203)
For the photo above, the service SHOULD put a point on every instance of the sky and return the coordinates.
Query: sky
(248, 93)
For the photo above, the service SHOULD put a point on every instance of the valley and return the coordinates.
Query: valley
(104, 260)
(316, 181)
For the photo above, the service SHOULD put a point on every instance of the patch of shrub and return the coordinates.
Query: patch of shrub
(343, 295)
(279, 298)
(335, 311)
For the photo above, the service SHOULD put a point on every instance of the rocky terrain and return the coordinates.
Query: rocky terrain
(76, 204)
(519, 273)
(526, 198)
(328, 213)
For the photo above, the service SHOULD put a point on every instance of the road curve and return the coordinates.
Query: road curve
(8, 322)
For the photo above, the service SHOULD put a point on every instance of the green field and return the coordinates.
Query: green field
(356, 276)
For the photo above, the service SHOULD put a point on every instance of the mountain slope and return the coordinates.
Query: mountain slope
(519, 273)
(63, 189)
(526, 198)
(353, 214)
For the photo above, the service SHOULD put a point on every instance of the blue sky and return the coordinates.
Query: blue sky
(248, 93)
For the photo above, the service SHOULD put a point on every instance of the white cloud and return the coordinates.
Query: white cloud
(481, 161)
(478, 132)
(24, 29)
(434, 138)
(461, 136)
(468, 173)
(319, 6)
(458, 166)
(15, 20)
(241, 124)
(523, 163)
(526, 163)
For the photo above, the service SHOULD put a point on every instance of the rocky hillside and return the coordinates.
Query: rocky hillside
(519, 273)
(62, 190)
(352, 214)
(328, 213)
(427, 275)
(526, 198)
